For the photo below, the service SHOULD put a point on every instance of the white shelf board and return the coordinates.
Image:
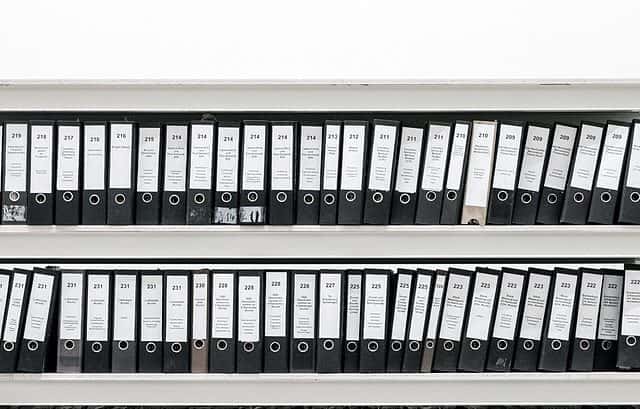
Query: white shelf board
(318, 242)
(315, 389)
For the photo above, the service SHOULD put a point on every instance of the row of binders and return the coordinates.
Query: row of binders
(336, 172)
(369, 320)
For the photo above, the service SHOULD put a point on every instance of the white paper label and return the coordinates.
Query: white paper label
(480, 164)
(15, 170)
(507, 157)
(304, 306)
(588, 306)
(436, 306)
(354, 299)
(98, 307)
(331, 157)
(330, 308)
(584, 166)
(124, 307)
(633, 176)
(482, 302)
(564, 139)
(35, 327)
(609, 320)
(375, 306)
(419, 308)
(175, 159)
(310, 157)
(612, 158)
(382, 157)
(275, 304)
(248, 308)
(401, 307)
(511, 287)
(535, 305)
(222, 305)
(94, 156)
(253, 157)
(201, 159)
(151, 307)
(435, 159)
(71, 305)
(177, 308)
(68, 158)
(41, 159)
(148, 160)
(282, 157)
(455, 304)
(120, 166)
(456, 159)
(631, 303)
(562, 303)
(200, 302)
(353, 157)
(227, 159)
(535, 151)
(409, 159)
(14, 308)
(4, 292)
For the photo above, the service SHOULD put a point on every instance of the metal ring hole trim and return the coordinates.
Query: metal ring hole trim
(94, 199)
(281, 197)
(606, 345)
(474, 345)
(329, 199)
(631, 341)
(556, 344)
(405, 198)
(252, 196)
(147, 197)
(274, 347)
(15, 196)
(150, 347)
(502, 195)
(308, 199)
(429, 344)
(328, 344)
(452, 195)
(578, 197)
(41, 198)
(352, 346)
(430, 195)
(198, 344)
(414, 346)
(198, 198)
(377, 197)
(303, 347)
(32, 345)
(448, 345)
(222, 345)
(176, 347)
(96, 347)
(372, 346)
(396, 345)
(528, 345)
(67, 196)
(226, 197)
(8, 346)
(248, 347)
(69, 344)
(120, 199)
(605, 197)
(502, 345)
(174, 200)
(350, 196)
(123, 345)
(585, 344)
(634, 197)
(526, 198)
(552, 198)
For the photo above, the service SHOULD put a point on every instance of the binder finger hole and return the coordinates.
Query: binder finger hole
(198, 198)
(396, 346)
(502, 195)
(606, 345)
(248, 347)
(252, 197)
(474, 345)
(198, 344)
(414, 346)
(176, 347)
(222, 345)
(631, 341)
(41, 198)
(281, 197)
(32, 345)
(96, 347)
(526, 198)
(429, 344)
(8, 346)
(430, 195)
(226, 197)
(150, 347)
(372, 346)
(634, 197)
(147, 197)
(405, 198)
(352, 346)
(123, 345)
(174, 200)
(14, 196)
(329, 199)
(448, 345)
(605, 197)
(528, 345)
(556, 344)
(452, 195)
(502, 345)
(552, 198)
(377, 197)
(67, 196)
(274, 347)
(308, 199)
(578, 197)
(303, 347)
(69, 345)
(585, 344)
(94, 199)
(328, 345)
(350, 196)
(120, 199)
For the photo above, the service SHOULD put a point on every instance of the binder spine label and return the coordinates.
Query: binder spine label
(200, 304)
(484, 293)
(222, 306)
(586, 157)
(175, 165)
(68, 157)
(177, 308)
(71, 304)
(97, 307)
(15, 170)
(304, 301)
(375, 306)
(282, 157)
(227, 159)
(384, 142)
(310, 157)
(352, 157)
(4, 292)
(409, 159)
(148, 160)
(255, 138)
(436, 306)
(94, 157)
(16, 299)
(275, 304)
(41, 159)
(508, 302)
(331, 157)
(562, 306)
(419, 309)
(631, 304)
(435, 159)
(535, 306)
(329, 321)
(35, 327)
(401, 308)
(560, 157)
(124, 307)
(248, 309)
(354, 299)
(507, 155)
(120, 168)
(535, 151)
(458, 152)
(633, 176)
(151, 308)
(480, 161)
(201, 157)
(589, 303)
(609, 320)
(612, 159)
(455, 303)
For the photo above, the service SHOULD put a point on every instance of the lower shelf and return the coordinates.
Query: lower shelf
(315, 389)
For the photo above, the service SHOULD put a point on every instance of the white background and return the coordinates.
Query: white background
(316, 41)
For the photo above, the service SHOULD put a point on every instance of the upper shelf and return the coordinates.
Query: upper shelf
(319, 242)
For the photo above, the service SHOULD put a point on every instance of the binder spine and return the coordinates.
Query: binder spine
(456, 173)
(94, 173)
(227, 172)
(375, 310)
(303, 321)
(277, 296)
(405, 193)
(200, 322)
(151, 322)
(331, 160)
(120, 210)
(177, 328)
(418, 316)
(41, 173)
(148, 170)
(583, 344)
(16, 169)
(331, 295)
(309, 174)
(352, 169)
(283, 143)
(249, 349)
(175, 175)
(97, 323)
(404, 288)
(202, 146)
(70, 322)
(254, 165)
(124, 347)
(606, 348)
(352, 318)
(222, 346)
(433, 325)
(628, 356)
